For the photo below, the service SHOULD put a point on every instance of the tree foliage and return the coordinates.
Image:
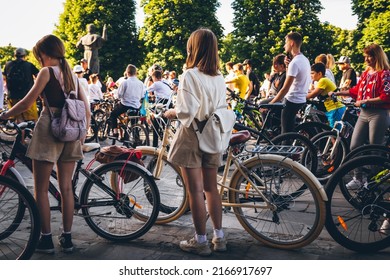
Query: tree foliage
(7, 54)
(364, 8)
(167, 26)
(122, 46)
(373, 27)
(261, 27)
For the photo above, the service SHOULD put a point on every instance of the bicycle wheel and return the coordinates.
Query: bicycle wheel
(331, 152)
(355, 215)
(289, 222)
(5, 232)
(92, 131)
(138, 135)
(103, 130)
(308, 158)
(19, 221)
(371, 149)
(173, 194)
(120, 201)
(311, 129)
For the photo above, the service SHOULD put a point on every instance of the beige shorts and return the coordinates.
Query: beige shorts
(45, 147)
(185, 151)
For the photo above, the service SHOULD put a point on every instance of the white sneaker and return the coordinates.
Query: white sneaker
(192, 246)
(355, 184)
(385, 228)
(219, 244)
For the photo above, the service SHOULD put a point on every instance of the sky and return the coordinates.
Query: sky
(24, 22)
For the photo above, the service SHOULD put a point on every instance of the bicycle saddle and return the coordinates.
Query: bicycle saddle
(239, 137)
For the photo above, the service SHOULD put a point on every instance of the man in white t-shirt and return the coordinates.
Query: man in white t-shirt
(130, 93)
(297, 82)
(161, 89)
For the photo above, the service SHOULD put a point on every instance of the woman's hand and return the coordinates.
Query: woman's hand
(170, 114)
(361, 103)
(3, 116)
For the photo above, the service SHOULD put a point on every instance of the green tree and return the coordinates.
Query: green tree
(167, 26)
(364, 8)
(6, 54)
(122, 46)
(261, 26)
(376, 30)
(373, 27)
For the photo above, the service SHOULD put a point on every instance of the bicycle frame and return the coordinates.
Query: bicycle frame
(19, 152)
(343, 129)
(222, 183)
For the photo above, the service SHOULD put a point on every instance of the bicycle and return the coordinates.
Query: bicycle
(277, 200)
(333, 146)
(173, 195)
(369, 149)
(356, 217)
(100, 114)
(119, 200)
(264, 131)
(132, 128)
(19, 221)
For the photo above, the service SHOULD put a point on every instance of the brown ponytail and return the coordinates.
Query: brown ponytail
(53, 46)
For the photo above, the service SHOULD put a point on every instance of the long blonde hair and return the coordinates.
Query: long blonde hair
(52, 46)
(381, 60)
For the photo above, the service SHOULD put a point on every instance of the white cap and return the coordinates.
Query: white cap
(77, 68)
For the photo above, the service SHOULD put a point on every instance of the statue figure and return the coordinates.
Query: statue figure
(91, 43)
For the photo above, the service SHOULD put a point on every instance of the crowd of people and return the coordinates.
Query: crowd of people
(293, 80)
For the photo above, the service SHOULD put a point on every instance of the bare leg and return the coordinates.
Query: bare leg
(41, 173)
(65, 172)
(214, 203)
(194, 184)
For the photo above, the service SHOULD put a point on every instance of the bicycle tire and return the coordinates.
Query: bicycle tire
(138, 136)
(311, 129)
(103, 130)
(5, 232)
(326, 166)
(309, 157)
(21, 234)
(296, 221)
(170, 183)
(354, 217)
(379, 150)
(92, 131)
(130, 215)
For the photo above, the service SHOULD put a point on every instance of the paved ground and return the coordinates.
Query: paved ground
(161, 243)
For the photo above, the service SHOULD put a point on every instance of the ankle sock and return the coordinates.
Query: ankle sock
(218, 233)
(200, 238)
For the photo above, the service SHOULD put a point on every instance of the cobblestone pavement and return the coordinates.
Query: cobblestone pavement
(161, 243)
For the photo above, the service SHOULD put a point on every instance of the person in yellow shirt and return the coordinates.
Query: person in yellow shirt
(240, 81)
(334, 109)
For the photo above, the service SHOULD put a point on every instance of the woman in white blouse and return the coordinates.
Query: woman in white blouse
(199, 169)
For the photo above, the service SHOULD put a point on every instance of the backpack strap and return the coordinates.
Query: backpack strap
(194, 122)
